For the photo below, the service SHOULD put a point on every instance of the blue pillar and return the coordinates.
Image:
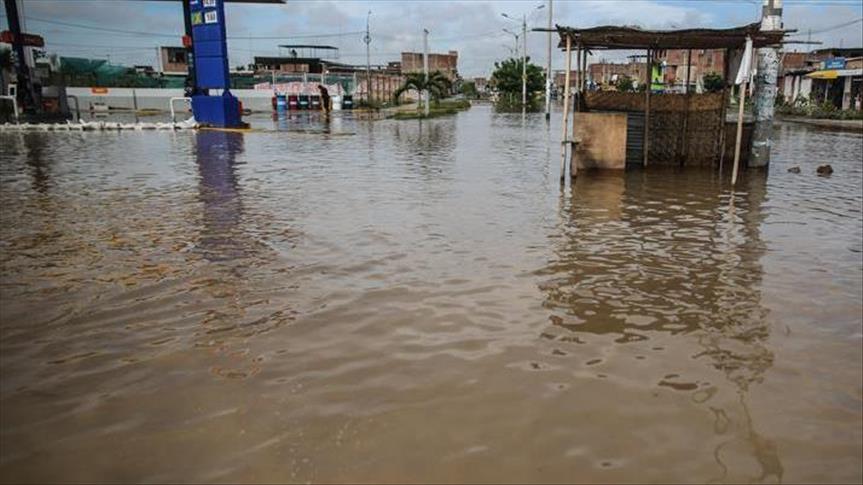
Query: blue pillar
(210, 45)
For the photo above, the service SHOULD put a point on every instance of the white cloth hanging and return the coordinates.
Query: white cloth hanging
(744, 73)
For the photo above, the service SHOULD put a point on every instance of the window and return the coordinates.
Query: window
(177, 56)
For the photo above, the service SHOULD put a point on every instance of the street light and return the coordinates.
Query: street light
(516, 39)
(524, 52)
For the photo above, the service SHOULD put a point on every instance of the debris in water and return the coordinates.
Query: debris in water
(824, 169)
(794, 169)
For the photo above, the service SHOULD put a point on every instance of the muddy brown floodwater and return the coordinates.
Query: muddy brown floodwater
(420, 302)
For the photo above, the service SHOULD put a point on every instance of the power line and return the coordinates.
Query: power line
(158, 34)
(103, 29)
(828, 29)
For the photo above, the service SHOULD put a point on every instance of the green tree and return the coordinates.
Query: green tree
(437, 85)
(507, 77)
(624, 84)
(468, 88)
(713, 82)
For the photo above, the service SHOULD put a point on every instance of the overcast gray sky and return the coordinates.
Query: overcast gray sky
(129, 31)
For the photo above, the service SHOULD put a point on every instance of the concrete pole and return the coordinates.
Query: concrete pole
(524, 64)
(368, 40)
(425, 93)
(548, 65)
(765, 87)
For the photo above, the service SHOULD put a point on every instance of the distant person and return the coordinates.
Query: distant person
(325, 99)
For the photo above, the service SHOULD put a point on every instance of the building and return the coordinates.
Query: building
(827, 75)
(313, 64)
(445, 63)
(174, 60)
(701, 63)
(606, 73)
(559, 79)
(481, 85)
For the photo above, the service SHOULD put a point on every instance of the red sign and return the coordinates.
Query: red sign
(187, 41)
(26, 39)
(99, 90)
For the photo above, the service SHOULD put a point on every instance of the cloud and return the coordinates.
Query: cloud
(473, 28)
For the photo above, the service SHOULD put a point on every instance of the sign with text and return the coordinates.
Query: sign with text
(834, 63)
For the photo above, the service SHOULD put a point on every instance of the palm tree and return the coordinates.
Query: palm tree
(437, 85)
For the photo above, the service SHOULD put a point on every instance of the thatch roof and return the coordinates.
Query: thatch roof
(616, 37)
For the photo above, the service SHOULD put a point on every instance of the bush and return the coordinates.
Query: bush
(624, 84)
(369, 104)
(713, 83)
(437, 109)
(811, 108)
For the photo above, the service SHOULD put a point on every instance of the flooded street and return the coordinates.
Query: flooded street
(396, 301)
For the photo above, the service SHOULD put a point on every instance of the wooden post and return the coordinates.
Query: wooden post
(584, 73)
(742, 101)
(683, 147)
(573, 165)
(576, 103)
(565, 121)
(688, 69)
(649, 79)
(722, 114)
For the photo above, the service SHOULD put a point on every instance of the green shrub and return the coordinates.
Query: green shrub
(713, 83)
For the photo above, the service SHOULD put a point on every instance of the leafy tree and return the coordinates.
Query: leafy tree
(437, 85)
(624, 84)
(507, 77)
(713, 82)
(468, 88)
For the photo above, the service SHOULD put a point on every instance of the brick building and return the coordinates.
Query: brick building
(703, 62)
(605, 73)
(445, 63)
(559, 79)
(173, 60)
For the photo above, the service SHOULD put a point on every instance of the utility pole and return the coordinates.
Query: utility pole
(524, 64)
(368, 40)
(548, 65)
(765, 87)
(523, 54)
(425, 93)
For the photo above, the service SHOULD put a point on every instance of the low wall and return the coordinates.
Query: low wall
(619, 101)
(602, 140)
(685, 129)
(157, 98)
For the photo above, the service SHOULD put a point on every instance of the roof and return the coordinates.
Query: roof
(838, 51)
(308, 46)
(617, 37)
(835, 73)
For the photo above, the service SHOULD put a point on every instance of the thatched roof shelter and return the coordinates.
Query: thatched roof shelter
(621, 37)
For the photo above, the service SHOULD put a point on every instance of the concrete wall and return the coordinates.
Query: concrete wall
(602, 140)
(157, 98)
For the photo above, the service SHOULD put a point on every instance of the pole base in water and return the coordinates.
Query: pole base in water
(219, 111)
